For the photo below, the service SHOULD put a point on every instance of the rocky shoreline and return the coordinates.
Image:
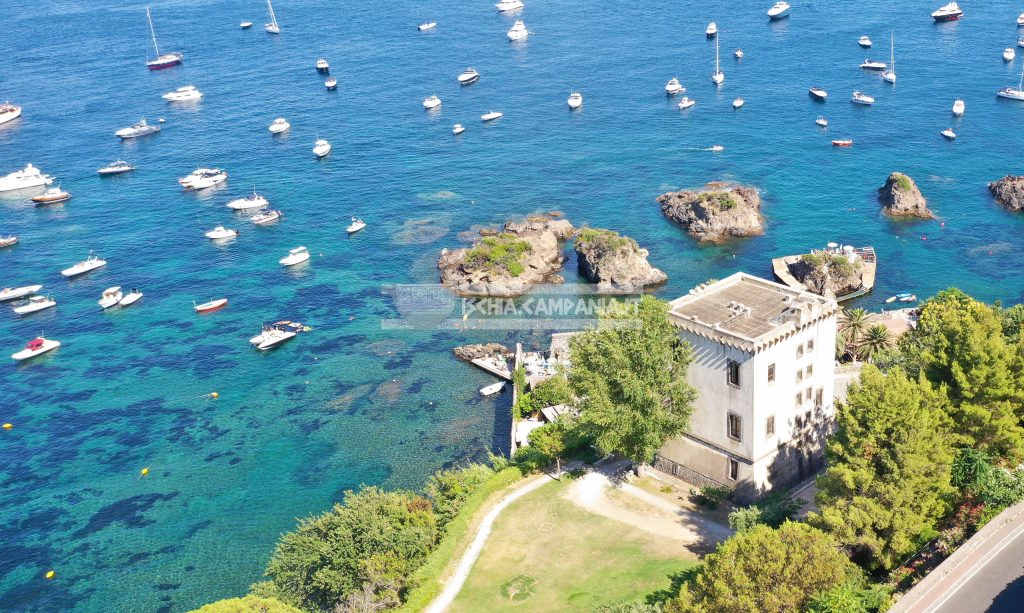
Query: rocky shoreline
(717, 212)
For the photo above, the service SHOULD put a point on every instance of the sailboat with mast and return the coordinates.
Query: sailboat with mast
(165, 60)
(1012, 93)
(889, 75)
(272, 27)
(718, 77)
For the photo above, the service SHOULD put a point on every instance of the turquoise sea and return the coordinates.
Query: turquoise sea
(349, 403)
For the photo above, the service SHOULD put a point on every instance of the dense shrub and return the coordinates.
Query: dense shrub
(448, 489)
(248, 604)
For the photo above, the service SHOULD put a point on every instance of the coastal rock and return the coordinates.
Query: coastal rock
(616, 263)
(1009, 192)
(716, 212)
(472, 352)
(828, 274)
(900, 197)
(523, 254)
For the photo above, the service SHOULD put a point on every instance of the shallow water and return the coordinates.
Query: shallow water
(349, 403)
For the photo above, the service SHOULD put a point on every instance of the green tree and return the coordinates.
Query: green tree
(766, 570)
(633, 381)
(745, 519)
(853, 323)
(522, 405)
(971, 469)
(551, 392)
(877, 339)
(448, 489)
(247, 604)
(375, 536)
(854, 596)
(888, 476)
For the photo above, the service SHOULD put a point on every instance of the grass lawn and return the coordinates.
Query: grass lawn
(547, 554)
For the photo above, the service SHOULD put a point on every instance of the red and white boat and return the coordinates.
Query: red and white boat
(210, 306)
(842, 143)
(949, 12)
(52, 196)
(163, 60)
(35, 347)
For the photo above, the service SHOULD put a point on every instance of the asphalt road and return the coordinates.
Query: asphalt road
(998, 587)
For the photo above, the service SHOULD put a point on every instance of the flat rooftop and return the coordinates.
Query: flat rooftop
(748, 312)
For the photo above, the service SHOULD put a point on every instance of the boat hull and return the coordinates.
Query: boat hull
(209, 307)
(26, 354)
(164, 62)
(947, 17)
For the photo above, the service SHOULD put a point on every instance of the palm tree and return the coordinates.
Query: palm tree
(852, 324)
(876, 340)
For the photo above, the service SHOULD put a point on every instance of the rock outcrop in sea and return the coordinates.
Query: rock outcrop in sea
(900, 197)
(716, 212)
(828, 274)
(616, 263)
(1009, 192)
(508, 262)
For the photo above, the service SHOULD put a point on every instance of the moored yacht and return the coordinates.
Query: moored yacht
(889, 75)
(9, 112)
(508, 5)
(430, 25)
(266, 218)
(873, 65)
(468, 76)
(321, 148)
(949, 12)
(685, 103)
(35, 304)
(89, 264)
(130, 298)
(673, 87)
(948, 133)
(331, 84)
(202, 178)
(518, 31)
(959, 107)
(272, 336)
(821, 121)
(356, 225)
(575, 100)
(210, 306)
(279, 125)
(7, 241)
(187, 93)
(458, 129)
(13, 293)
(110, 297)
(778, 11)
(818, 93)
(1012, 93)
(136, 130)
(245, 25)
(322, 66)
(220, 233)
(52, 196)
(712, 30)
(864, 41)
(115, 168)
(252, 201)
(738, 103)
(491, 116)
(163, 60)
(1020, 20)
(431, 102)
(738, 54)
(1009, 54)
(862, 98)
(272, 27)
(718, 76)
(295, 256)
(35, 347)
(30, 176)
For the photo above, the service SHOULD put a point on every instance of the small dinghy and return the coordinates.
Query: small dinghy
(266, 218)
(431, 102)
(821, 121)
(295, 256)
(213, 305)
(948, 133)
(842, 143)
(321, 148)
(245, 25)
(130, 298)
(492, 389)
(221, 233)
(818, 93)
(7, 241)
(331, 84)
(458, 129)
(110, 298)
(430, 25)
(686, 103)
(356, 225)
(905, 297)
(491, 116)
(738, 103)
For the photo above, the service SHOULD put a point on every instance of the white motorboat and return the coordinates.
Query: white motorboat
(110, 297)
(130, 298)
(518, 31)
(9, 112)
(210, 306)
(712, 30)
(202, 178)
(575, 100)
(36, 347)
(468, 76)
(718, 77)
(322, 66)
(1020, 42)
(864, 41)
(1009, 54)
(136, 130)
(491, 116)
(862, 98)
(295, 256)
(1020, 20)
(266, 218)
(716, 148)
(356, 225)
(738, 54)
(52, 196)
(738, 103)
(873, 65)
(7, 241)
(163, 60)
(431, 102)
(686, 103)
(458, 129)
(959, 107)
(949, 12)
(492, 389)
(889, 76)
(89, 264)
(220, 233)
(115, 168)
(1014, 93)
(430, 25)
(13, 293)
(331, 84)
(271, 337)
(948, 133)
(673, 87)
(30, 176)
(508, 5)
(818, 93)
(35, 304)
(821, 121)
(778, 11)
(321, 148)
(245, 25)
(187, 93)
(279, 125)
(272, 27)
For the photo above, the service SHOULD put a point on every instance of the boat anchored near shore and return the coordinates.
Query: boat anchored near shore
(36, 347)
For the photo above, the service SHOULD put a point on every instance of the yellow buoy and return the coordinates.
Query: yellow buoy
(50, 574)
(144, 472)
(8, 426)
(214, 395)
